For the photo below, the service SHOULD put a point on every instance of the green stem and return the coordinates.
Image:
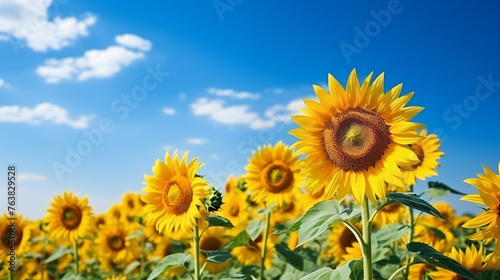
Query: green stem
(196, 241)
(398, 271)
(142, 253)
(77, 270)
(406, 272)
(44, 252)
(367, 236)
(264, 246)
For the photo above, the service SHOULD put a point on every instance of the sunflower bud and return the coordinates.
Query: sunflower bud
(214, 200)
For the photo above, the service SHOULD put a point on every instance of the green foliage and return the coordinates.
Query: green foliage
(255, 228)
(168, 263)
(426, 254)
(218, 221)
(293, 228)
(133, 265)
(240, 240)
(214, 200)
(438, 189)
(342, 272)
(320, 217)
(59, 252)
(415, 202)
(217, 256)
(290, 256)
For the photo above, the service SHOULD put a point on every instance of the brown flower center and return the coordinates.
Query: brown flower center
(391, 208)
(346, 238)
(131, 203)
(287, 208)
(417, 149)
(178, 195)
(210, 244)
(356, 139)
(7, 236)
(71, 217)
(116, 242)
(234, 210)
(277, 176)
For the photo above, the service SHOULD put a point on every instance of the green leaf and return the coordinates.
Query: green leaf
(319, 217)
(59, 252)
(294, 227)
(426, 254)
(133, 265)
(169, 262)
(413, 201)
(390, 234)
(439, 234)
(240, 240)
(218, 221)
(341, 273)
(217, 256)
(227, 276)
(357, 270)
(255, 228)
(290, 257)
(265, 211)
(438, 189)
(488, 275)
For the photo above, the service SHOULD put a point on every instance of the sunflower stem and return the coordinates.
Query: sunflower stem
(403, 268)
(264, 246)
(406, 272)
(142, 253)
(77, 270)
(44, 252)
(367, 236)
(196, 241)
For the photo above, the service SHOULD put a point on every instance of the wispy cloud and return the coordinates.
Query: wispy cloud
(134, 42)
(233, 93)
(94, 63)
(31, 177)
(2, 83)
(29, 21)
(43, 112)
(216, 110)
(168, 111)
(196, 141)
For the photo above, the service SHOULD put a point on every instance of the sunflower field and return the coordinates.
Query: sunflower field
(337, 204)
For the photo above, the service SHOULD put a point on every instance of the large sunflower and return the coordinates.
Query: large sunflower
(357, 138)
(16, 236)
(69, 217)
(427, 151)
(273, 175)
(488, 186)
(174, 193)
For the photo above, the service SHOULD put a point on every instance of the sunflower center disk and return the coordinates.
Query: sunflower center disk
(116, 243)
(277, 176)
(211, 244)
(234, 210)
(417, 149)
(6, 237)
(356, 139)
(178, 195)
(71, 217)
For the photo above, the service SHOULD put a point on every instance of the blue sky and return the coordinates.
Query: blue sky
(227, 74)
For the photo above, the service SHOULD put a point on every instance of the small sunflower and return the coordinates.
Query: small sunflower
(69, 217)
(115, 213)
(99, 221)
(287, 212)
(273, 175)
(17, 235)
(340, 239)
(174, 194)
(427, 151)
(308, 198)
(447, 211)
(472, 259)
(250, 254)
(488, 186)
(130, 202)
(152, 235)
(356, 139)
(418, 271)
(431, 234)
(235, 208)
(213, 239)
(114, 244)
(391, 214)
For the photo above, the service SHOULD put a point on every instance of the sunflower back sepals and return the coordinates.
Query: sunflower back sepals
(214, 201)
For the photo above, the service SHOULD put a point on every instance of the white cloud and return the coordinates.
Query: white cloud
(94, 63)
(2, 83)
(31, 177)
(168, 111)
(171, 149)
(233, 94)
(274, 90)
(196, 141)
(133, 41)
(168, 148)
(182, 96)
(214, 156)
(43, 112)
(241, 114)
(28, 20)
(4, 37)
